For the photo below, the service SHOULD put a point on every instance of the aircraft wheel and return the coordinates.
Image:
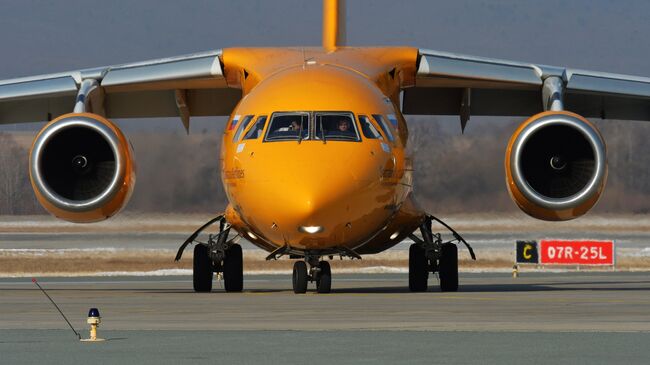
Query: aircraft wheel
(202, 269)
(233, 269)
(300, 277)
(448, 267)
(324, 281)
(418, 269)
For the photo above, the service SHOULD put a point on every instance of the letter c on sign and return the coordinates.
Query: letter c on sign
(526, 255)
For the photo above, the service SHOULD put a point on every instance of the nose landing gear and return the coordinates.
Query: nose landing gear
(324, 278)
(431, 254)
(319, 272)
(219, 254)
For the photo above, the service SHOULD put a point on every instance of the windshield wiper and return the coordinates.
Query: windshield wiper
(322, 131)
(300, 132)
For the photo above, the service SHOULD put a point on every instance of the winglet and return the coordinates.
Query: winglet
(334, 19)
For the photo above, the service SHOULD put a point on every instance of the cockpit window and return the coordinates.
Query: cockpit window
(335, 127)
(368, 129)
(288, 127)
(256, 130)
(384, 126)
(393, 120)
(242, 126)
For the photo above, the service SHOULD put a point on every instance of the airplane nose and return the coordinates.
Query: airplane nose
(316, 199)
(310, 199)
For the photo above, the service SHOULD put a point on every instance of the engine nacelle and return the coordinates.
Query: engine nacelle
(82, 168)
(556, 166)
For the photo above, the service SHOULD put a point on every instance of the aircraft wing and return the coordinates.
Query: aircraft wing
(183, 86)
(451, 84)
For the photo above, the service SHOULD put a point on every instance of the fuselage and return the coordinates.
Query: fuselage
(314, 157)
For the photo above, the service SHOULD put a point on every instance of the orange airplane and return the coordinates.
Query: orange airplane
(314, 160)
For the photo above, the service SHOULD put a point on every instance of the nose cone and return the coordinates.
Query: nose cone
(320, 199)
(313, 199)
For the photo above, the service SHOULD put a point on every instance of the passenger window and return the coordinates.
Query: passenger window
(288, 127)
(368, 129)
(242, 126)
(384, 126)
(256, 130)
(336, 127)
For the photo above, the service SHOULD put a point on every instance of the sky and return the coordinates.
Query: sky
(49, 36)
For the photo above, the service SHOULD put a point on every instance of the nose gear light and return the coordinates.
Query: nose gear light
(310, 229)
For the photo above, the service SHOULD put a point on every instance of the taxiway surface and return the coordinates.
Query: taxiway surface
(539, 317)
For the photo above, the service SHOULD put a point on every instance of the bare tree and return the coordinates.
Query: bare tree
(16, 195)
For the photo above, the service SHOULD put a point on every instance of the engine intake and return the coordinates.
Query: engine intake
(81, 168)
(556, 166)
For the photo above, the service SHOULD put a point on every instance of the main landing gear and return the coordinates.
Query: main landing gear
(217, 255)
(318, 272)
(431, 254)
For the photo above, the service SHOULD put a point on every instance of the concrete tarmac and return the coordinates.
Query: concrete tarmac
(537, 318)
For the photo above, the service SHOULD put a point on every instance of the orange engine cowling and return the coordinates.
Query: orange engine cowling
(556, 166)
(82, 168)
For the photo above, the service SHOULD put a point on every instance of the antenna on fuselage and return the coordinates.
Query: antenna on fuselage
(334, 20)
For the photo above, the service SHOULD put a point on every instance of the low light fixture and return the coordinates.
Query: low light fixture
(394, 235)
(310, 229)
(252, 236)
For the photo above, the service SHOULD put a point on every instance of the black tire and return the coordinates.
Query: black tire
(300, 277)
(448, 267)
(202, 269)
(418, 269)
(233, 269)
(324, 281)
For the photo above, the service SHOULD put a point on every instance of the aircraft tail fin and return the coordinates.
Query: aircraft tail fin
(334, 19)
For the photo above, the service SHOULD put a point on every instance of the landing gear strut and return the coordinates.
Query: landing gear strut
(431, 254)
(319, 272)
(219, 254)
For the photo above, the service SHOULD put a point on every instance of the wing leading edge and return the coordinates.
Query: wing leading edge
(445, 84)
(183, 86)
(451, 84)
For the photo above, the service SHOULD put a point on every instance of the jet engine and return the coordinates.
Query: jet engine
(556, 166)
(82, 168)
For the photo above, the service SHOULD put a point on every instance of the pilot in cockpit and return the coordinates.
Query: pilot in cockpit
(293, 127)
(343, 127)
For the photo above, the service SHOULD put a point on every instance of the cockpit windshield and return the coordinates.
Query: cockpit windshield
(335, 127)
(320, 126)
(288, 127)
